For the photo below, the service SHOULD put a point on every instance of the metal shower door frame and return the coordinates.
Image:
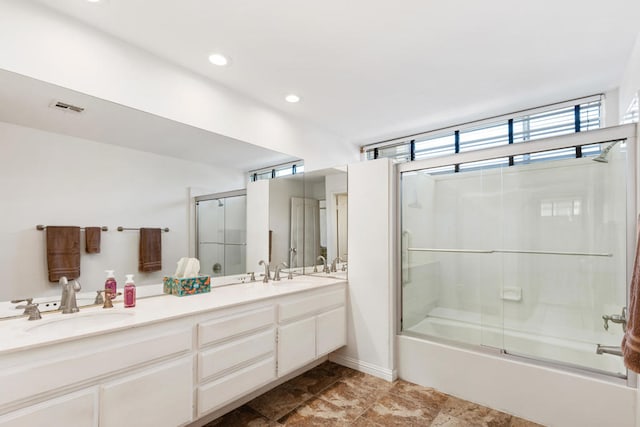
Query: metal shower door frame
(628, 133)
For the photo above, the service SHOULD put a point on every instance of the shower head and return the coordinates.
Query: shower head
(602, 157)
(220, 204)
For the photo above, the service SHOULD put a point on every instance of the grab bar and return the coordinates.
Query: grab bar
(510, 251)
(470, 251)
(515, 251)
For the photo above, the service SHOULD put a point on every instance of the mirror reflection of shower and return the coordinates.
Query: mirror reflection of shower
(221, 233)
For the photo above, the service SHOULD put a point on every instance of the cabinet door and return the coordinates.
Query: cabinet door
(296, 345)
(332, 331)
(72, 410)
(158, 396)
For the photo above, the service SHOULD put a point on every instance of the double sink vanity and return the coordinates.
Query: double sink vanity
(169, 361)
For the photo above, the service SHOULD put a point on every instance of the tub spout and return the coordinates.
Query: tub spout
(609, 349)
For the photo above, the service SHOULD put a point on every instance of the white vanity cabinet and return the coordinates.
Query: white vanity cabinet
(78, 409)
(236, 355)
(171, 372)
(128, 374)
(161, 395)
(310, 326)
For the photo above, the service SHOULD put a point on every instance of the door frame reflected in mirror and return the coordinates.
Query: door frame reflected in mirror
(222, 200)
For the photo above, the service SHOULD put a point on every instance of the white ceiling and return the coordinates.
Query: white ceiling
(372, 69)
(25, 101)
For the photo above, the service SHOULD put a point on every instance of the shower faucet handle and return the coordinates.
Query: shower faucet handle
(616, 318)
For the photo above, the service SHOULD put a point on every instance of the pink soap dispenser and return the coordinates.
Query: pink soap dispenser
(110, 283)
(129, 292)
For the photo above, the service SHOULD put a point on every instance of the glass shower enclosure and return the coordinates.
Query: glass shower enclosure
(221, 221)
(521, 252)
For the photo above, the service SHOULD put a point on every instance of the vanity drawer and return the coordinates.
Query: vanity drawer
(220, 358)
(311, 305)
(230, 387)
(229, 326)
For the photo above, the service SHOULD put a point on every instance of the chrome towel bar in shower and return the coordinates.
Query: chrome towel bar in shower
(509, 251)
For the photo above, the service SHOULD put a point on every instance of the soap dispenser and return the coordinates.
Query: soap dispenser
(129, 292)
(110, 283)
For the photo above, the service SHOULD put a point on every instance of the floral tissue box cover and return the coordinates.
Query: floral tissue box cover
(186, 286)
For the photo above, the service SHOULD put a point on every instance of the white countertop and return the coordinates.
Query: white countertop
(20, 334)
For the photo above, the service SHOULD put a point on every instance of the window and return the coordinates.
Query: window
(488, 136)
(277, 171)
(544, 125)
(555, 120)
(435, 146)
(398, 153)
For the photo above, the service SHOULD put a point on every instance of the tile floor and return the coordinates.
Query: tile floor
(333, 395)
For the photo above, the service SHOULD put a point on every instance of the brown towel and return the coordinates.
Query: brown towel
(63, 252)
(631, 339)
(150, 258)
(92, 239)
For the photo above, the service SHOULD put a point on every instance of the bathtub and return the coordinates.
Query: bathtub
(538, 392)
(473, 329)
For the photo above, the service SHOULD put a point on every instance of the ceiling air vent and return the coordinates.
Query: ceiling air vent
(63, 106)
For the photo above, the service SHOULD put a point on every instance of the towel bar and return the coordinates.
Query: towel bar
(43, 227)
(166, 229)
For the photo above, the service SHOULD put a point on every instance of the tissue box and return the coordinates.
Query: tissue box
(186, 286)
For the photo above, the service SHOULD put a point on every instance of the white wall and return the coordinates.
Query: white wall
(52, 179)
(370, 320)
(45, 45)
(630, 83)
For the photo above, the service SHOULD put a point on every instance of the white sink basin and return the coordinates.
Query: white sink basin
(77, 321)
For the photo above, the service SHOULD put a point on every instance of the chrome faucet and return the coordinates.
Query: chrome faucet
(609, 349)
(276, 275)
(267, 273)
(325, 269)
(334, 263)
(616, 318)
(30, 308)
(68, 302)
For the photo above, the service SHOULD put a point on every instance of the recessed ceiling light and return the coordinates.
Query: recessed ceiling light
(218, 59)
(292, 98)
(93, 1)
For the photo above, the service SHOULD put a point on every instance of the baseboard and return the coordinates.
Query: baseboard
(366, 367)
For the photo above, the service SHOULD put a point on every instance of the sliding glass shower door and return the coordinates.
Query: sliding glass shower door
(526, 259)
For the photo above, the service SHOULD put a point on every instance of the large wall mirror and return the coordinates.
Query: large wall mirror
(161, 166)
